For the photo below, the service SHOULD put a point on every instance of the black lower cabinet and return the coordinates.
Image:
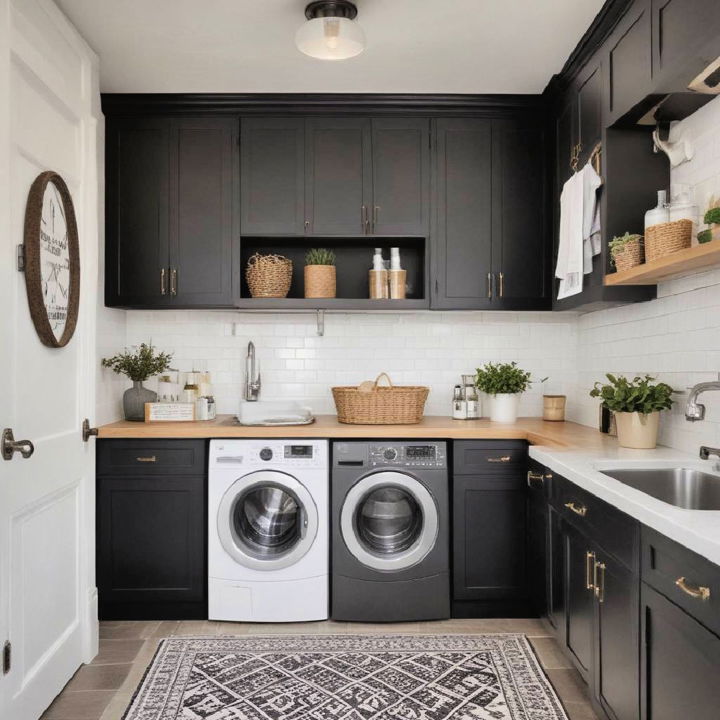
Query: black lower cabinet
(579, 564)
(151, 538)
(680, 663)
(555, 573)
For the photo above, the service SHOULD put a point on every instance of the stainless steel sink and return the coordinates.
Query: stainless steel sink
(683, 487)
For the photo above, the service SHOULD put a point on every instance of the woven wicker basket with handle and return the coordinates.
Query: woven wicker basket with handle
(269, 276)
(391, 405)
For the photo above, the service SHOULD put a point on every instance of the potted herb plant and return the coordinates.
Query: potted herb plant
(503, 383)
(140, 365)
(626, 251)
(712, 218)
(636, 404)
(320, 276)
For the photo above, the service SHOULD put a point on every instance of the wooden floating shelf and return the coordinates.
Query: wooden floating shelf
(330, 304)
(676, 265)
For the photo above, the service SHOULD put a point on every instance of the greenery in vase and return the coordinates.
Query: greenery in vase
(502, 378)
(140, 365)
(639, 395)
(619, 242)
(319, 256)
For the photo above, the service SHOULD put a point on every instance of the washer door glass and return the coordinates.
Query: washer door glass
(267, 520)
(389, 521)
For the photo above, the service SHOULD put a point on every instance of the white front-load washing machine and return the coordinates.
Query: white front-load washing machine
(268, 545)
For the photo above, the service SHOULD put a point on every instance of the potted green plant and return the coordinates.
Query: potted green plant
(626, 251)
(503, 383)
(140, 365)
(712, 218)
(320, 275)
(636, 404)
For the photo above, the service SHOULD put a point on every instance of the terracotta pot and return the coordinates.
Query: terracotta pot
(320, 281)
(637, 430)
(504, 407)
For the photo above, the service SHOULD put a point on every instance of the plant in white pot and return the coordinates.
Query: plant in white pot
(503, 383)
(636, 404)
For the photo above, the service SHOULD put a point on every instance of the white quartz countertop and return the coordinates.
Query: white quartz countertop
(698, 530)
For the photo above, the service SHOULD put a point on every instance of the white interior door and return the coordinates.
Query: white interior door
(48, 121)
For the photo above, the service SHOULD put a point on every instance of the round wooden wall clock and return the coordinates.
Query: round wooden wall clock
(52, 260)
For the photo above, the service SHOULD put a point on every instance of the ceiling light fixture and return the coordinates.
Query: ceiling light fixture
(330, 32)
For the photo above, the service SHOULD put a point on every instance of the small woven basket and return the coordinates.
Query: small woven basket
(667, 238)
(630, 255)
(320, 281)
(269, 276)
(392, 405)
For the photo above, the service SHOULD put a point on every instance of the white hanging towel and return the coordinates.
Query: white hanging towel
(579, 239)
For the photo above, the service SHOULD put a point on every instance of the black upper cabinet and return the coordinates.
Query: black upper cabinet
(519, 218)
(172, 220)
(137, 256)
(590, 111)
(400, 176)
(272, 166)
(463, 236)
(338, 176)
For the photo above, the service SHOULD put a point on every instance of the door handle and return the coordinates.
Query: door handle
(376, 213)
(303, 520)
(489, 286)
(9, 446)
(146, 459)
(501, 284)
(590, 570)
(501, 459)
(535, 479)
(599, 579)
(699, 592)
(163, 284)
(364, 218)
(580, 510)
(173, 281)
(87, 431)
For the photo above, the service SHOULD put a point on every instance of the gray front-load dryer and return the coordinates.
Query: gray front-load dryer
(390, 531)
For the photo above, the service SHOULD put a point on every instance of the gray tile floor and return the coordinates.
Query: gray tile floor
(103, 689)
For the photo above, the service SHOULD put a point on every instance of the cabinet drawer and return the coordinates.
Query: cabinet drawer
(689, 580)
(613, 530)
(151, 457)
(496, 457)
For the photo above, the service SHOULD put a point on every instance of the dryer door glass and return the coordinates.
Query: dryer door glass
(268, 520)
(389, 520)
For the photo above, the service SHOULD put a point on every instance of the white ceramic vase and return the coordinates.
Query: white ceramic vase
(637, 430)
(504, 407)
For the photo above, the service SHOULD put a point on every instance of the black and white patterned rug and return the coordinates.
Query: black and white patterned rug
(346, 677)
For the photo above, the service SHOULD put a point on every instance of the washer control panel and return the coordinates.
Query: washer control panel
(270, 454)
(428, 455)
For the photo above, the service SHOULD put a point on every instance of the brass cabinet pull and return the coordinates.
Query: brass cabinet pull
(589, 570)
(580, 510)
(535, 479)
(489, 286)
(173, 281)
(501, 459)
(699, 592)
(307, 225)
(599, 580)
(150, 458)
(364, 222)
(163, 284)
(376, 213)
(501, 284)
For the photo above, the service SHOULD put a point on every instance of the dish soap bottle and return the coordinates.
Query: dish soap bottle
(378, 277)
(659, 214)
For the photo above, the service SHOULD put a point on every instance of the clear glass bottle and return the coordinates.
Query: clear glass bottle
(659, 214)
(470, 395)
(458, 404)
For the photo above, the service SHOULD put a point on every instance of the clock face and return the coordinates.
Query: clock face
(54, 259)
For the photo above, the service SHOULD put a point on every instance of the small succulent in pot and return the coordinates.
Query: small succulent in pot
(503, 383)
(140, 365)
(637, 404)
(320, 274)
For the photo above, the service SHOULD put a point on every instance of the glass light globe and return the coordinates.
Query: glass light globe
(330, 38)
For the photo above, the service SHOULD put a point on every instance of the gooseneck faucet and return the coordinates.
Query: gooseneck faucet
(252, 380)
(695, 410)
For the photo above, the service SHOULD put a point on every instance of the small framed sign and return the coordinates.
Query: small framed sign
(170, 412)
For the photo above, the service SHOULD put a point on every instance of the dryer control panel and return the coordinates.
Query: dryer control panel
(420, 455)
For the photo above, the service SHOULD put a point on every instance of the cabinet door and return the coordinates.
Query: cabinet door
(680, 663)
(463, 238)
(555, 572)
(579, 563)
(589, 105)
(537, 532)
(401, 176)
(272, 167)
(338, 176)
(150, 546)
(617, 678)
(204, 197)
(519, 224)
(489, 536)
(136, 262)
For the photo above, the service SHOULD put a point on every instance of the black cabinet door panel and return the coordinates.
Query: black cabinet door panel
(137, 212)
(401, 176)
(203, 218)
(579, 562)
(463, 241)
(338, 175)
(273, 176)
(590, 105)
(680, 663)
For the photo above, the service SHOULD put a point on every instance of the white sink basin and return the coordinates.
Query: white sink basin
(274, 412)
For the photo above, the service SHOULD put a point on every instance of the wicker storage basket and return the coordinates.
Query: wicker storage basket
(320, 281)
(269, 276)
(667, 238)
(393, 405)
(629, 255)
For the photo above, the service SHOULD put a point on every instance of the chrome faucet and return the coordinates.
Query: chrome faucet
(706, 452)
(695, 410)
(252, 380)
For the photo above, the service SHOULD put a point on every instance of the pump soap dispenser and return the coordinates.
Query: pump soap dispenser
(378, 277)
(397, 276)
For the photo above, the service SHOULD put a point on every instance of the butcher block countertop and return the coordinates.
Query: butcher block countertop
(534, 430)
